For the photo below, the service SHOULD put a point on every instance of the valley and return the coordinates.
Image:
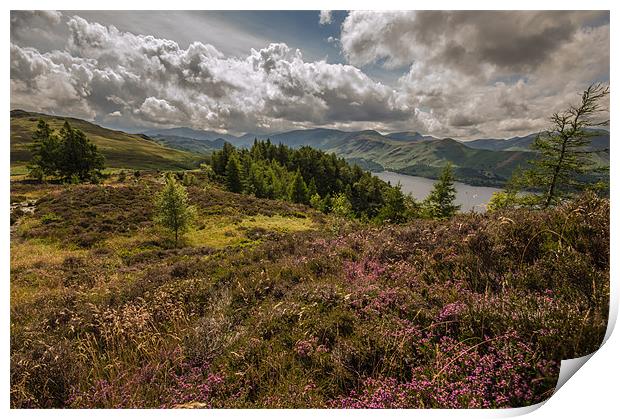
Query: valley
(478, 162)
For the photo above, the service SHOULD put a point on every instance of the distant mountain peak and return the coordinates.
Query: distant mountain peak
(410, 136)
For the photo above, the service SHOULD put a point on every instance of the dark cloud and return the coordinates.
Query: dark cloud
(476, 71)
(512, 40)
(463, 73)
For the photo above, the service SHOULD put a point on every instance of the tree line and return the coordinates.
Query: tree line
(328, 183)
(309, 176)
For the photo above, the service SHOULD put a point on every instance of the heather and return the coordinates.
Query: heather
(269, 303)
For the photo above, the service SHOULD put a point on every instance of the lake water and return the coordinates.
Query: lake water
(468, 196)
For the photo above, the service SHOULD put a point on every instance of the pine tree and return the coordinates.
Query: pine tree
(562, 152)
(78, 156)
(233, 174)
(219, 159)
(70, 155)
(394, 209)
(298, 191)
(45, 152)
(440, 202)
(312, 188)
(173, 210)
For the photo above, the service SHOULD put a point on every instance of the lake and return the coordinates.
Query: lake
(468, 196)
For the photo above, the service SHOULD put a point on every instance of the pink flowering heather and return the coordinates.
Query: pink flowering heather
(172, 386)
(451, 311)
(495, 376)
(363, 271)
(305, 348)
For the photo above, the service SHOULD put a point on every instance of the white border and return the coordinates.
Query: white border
(592, 392)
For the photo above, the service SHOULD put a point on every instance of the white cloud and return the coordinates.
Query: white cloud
(159, 110)
(456, 79)
(145, 80)
(325, 17)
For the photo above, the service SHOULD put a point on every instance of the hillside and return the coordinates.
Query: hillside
(268, 304)
(120, 149)
(599, 141)
(478, 162)
(184, 132)
(405, 152)
(410, 136)
(427, 158)
(189, 144)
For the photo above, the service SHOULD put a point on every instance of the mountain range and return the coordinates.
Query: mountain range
(479, 162)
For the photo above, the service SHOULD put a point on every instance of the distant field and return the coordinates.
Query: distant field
(121, 150)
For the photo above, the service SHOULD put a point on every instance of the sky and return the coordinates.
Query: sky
(460, 74)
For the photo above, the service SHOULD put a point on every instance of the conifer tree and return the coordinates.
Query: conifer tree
(233, 174)
(298, 191)
(394, 209)
(563, 154)
(440, 202)
(173, 209)
(312, 188)
(79, 157)
(45, 152)
(70, 155)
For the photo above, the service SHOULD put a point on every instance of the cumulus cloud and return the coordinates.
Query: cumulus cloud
(147, 80)
(461, 74)
(476, 73)
(159, 110)
(51, 17)
(325, 17)
(39, 82)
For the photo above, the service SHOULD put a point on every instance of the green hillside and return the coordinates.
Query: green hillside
(188, 144)
(427, 158)
(121, 150)
(412, 153)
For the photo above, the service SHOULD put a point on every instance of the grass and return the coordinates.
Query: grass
(270, 304)
(218, 232)
(121, 150)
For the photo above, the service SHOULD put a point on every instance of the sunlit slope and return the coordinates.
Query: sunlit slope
(121, 150)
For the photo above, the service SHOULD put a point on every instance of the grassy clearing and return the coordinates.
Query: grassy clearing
(43, 253)
(18, 171)
(220, 232)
